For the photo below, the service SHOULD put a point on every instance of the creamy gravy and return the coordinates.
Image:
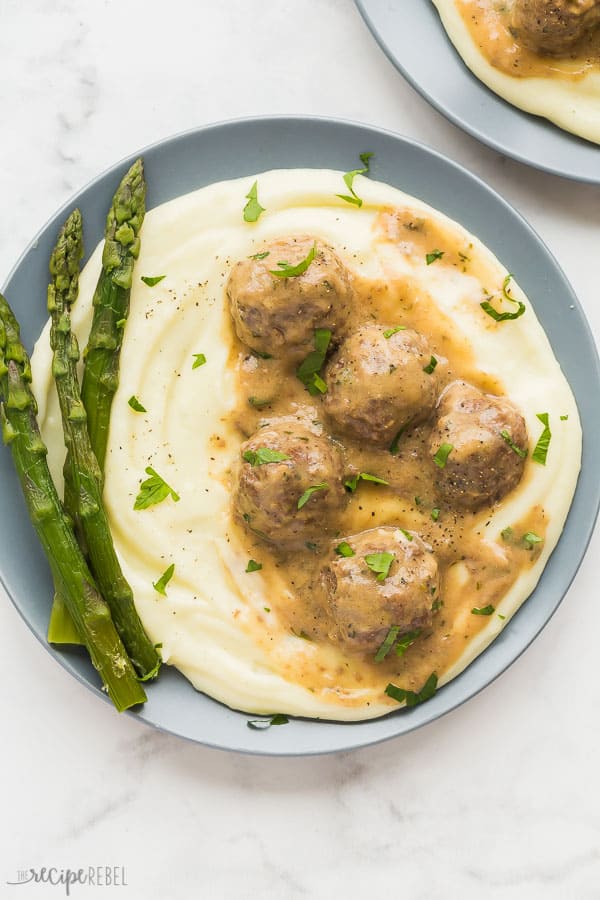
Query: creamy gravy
(475, 571)
(488, 22)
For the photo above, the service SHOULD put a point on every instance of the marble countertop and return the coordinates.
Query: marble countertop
(497, 800)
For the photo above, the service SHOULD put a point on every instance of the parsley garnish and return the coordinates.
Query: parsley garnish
(380, 564)
(262, 255)
(483, 610)
(507, 534)
(433, 256)
(199, 360)
(151, 280)
(349, 180)
(352, 483)
(410, 697)
(308, 370)
(310, 491)
(502, 317)
(387, 644)
(541, 448)
(396, 442)
(287, 271)
(406, 641)
(435, 513)
(430, 367)
(531, 539)
(263, 724)
(264, 455)
(563, 418)
(253, 566)
(257, 403)
(163, 581)
(442, 454)
(407, 534)
(253, 209)
(154, 490)
(344, 549)
(135, 404)
(505, 435)
(391, 331)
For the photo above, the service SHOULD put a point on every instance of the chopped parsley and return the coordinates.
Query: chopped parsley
(433, 256)
(380, 564)
(442, 454)
(263, 724)
(388, 643)
(410, 697)
(531, 539)
(406, 641)
(507, 534)
(135, 404)
(389, 332)
(257, 403)
(349, 180)
(394, 446)
(323, 486)
(563, 418)
(252, 209)
(264, 455)
(352, 483)
(502, 317)
(505, 435)
(262, 255)
(344, 549)
(430, 367)
(435, 513)
(151, 280)
(309, 368)
(407, 534)
(153, 490)
(253, 566)
(483, 610)
(161, 584)
(285, 270)
(199, 360)
(541, 448)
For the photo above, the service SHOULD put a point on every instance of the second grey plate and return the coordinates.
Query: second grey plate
(413, 37)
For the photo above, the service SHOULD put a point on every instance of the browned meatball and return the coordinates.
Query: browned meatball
(363, 606)
(554, 26)
(378, 384)
(273, 314)
(267, 493)
(488, 438)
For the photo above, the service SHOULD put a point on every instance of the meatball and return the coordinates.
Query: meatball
(377, 384)
(364, 606)
(268, 493)
(273, 314)
(488, 438)
(554, 27)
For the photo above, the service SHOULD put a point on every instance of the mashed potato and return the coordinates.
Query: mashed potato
(225, 629)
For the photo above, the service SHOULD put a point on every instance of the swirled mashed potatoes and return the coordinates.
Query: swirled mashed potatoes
(542, 57)
(300, 635)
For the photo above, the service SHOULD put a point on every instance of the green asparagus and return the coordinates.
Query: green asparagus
(83, 481)
(91, 615)
(111, 305)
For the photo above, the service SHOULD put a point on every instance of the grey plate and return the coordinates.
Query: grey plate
(411, 34)
(233, 149)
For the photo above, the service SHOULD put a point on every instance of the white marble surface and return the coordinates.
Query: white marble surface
(497, 800)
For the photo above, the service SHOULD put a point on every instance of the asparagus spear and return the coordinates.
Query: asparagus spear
(88, 610)
(83, 488)
(111, 305)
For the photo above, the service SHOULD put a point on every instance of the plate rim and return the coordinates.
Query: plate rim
(463, 124)
(366, 741)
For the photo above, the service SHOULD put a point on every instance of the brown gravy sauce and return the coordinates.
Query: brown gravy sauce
(489, 25)
(475, 571)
